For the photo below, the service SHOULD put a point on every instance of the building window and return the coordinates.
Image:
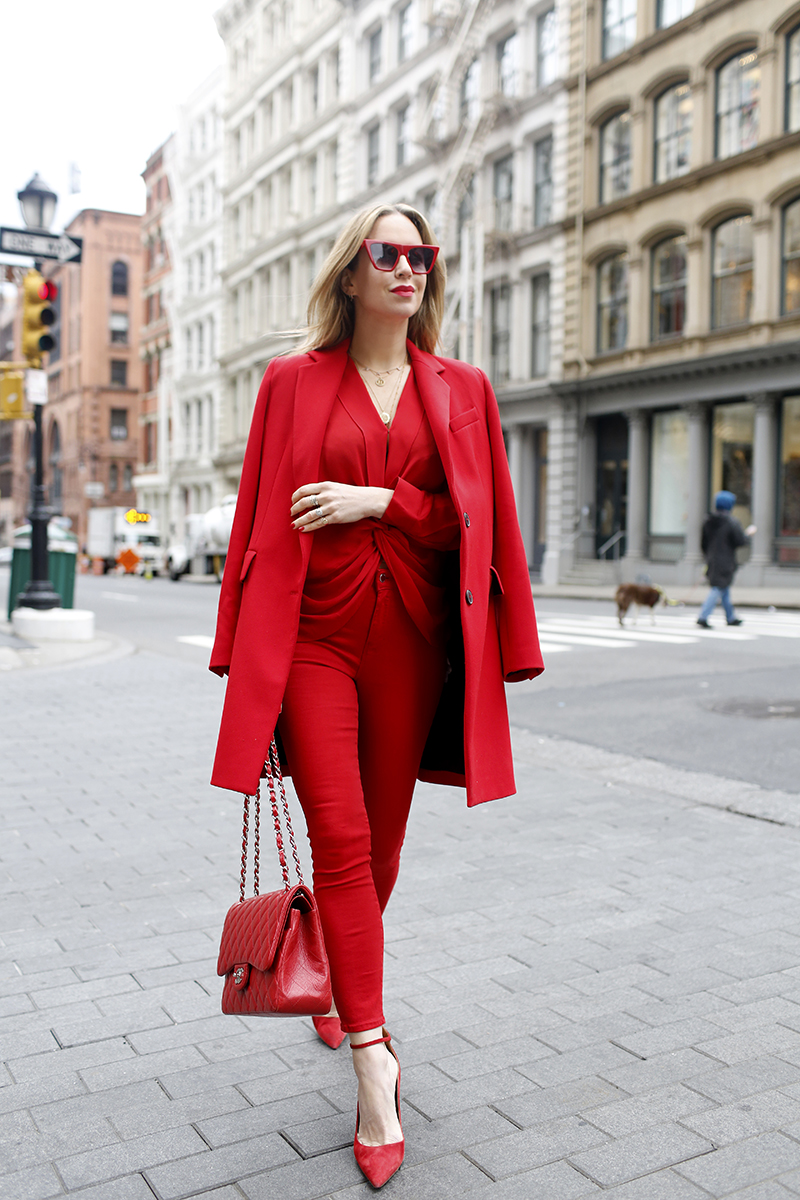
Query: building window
(612, 304)
(540, 325)
(501, 334)
(507, 65)
(113, 478)
(119, 425)
(404, 33)
(373, 154)
(543, 181)
(732, 282)
(469, 96)
(546, 48)
(619, 26)
(673, 143)
(738, 95)
(312, 173)
(374, 48)
(119, 279)
(403, 132)
(669, 475)
(792, 120)
(127, 477)
(119, 372)
(504, 193)
(668, 308)
(615, 157)
(466, 207)
(187, 345)
(670, 11)
(732, 455)
(118, 327)
(790, 258)
(314, 90)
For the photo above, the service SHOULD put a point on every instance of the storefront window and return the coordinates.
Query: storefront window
(732, 455)
(789, 503)
(669, 481)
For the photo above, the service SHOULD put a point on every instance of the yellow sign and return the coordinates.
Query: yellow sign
(136, 518)
(12, 396)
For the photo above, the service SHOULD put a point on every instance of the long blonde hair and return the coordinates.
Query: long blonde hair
(331, 313)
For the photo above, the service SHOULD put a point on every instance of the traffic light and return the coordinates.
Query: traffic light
(38, 316)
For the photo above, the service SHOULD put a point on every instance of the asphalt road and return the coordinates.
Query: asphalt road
(727, 703)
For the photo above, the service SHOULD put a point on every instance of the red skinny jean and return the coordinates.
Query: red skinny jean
(356, 714)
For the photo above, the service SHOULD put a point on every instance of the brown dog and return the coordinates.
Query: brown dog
(639, 594)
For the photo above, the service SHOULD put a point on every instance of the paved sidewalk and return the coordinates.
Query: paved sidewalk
(594, 986)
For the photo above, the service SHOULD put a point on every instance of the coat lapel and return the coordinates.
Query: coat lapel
(315, 391)
(435, 396)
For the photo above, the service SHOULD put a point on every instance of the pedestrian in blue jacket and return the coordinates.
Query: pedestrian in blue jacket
(722, 536)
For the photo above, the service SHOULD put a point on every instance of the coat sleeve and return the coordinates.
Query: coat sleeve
(516, 621)
(231, 592)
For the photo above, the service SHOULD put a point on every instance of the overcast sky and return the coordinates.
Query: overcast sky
(96, 83)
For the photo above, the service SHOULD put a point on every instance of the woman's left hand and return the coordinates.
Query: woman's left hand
(316, 505)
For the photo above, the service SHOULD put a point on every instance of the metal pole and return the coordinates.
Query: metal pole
(39, 592)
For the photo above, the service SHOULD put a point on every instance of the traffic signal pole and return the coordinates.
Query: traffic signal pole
(39, 592)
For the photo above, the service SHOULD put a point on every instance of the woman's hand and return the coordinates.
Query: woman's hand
(316, 505)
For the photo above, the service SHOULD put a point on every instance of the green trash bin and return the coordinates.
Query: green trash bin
(62, 555)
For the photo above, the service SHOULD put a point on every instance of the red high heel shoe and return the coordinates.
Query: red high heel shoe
(330, 1030)
(380, 1163)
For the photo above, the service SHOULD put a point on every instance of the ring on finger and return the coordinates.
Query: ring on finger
(315, 499)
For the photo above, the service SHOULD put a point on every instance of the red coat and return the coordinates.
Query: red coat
(259, 608)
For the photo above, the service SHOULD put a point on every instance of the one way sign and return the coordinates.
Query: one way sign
(62, 247)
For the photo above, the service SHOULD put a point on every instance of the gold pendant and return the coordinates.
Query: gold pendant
(379, 382)
(385, 418)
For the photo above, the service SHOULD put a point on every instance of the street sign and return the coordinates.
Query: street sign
(36, 386)
(61, 247)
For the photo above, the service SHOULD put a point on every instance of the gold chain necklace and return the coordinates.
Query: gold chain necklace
(380, 376)
(388, 412)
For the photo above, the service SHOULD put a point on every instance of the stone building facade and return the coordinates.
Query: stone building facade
(156, 348)
(194, 235)
(682, 329)
(91, 418)
(459, 109)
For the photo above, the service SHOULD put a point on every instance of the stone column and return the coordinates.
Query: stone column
(763, 274)
(638, 307)
(638, 430)
(696, 293)
(763, 503)
(697, 505)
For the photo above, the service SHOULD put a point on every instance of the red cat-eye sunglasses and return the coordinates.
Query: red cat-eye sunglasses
(385, 256)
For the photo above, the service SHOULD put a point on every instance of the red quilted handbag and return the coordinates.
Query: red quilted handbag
(272, 953)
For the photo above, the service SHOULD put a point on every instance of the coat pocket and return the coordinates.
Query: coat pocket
(464, 418)
(248, 558)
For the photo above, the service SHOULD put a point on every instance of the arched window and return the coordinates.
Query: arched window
(673, 133)
(615, 157)
(113, 478)
(612, 304)
(127, 477)
(668, 306)
(732, 273)
(619, 26)
(119, 279)
(737, 104)
(790, 258)
(792, 117)
(56, 474)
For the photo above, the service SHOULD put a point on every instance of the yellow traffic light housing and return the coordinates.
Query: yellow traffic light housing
(12, 396)
(38, 316)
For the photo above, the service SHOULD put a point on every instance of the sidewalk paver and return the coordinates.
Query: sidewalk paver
(594, 986)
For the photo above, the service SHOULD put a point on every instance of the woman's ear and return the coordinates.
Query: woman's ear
(347, 284)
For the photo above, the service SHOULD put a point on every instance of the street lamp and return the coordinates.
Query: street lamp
(38, 204)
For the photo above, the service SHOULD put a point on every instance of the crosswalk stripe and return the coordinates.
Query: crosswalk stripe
(197, 639)
(668, 639)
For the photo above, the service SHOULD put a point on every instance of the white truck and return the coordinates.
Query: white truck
(204, 546)
(125, 537)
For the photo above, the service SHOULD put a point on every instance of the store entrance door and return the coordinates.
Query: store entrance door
(612, 483)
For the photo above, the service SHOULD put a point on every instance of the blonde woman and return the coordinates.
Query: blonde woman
(376, 597)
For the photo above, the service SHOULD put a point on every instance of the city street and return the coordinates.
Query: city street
(594, 985)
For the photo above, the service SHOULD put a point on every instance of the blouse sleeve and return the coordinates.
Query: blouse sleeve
(428, 517)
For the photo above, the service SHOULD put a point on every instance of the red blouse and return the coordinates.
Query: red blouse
(420, 521)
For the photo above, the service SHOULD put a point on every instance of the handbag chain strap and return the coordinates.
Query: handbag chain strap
(273, 773)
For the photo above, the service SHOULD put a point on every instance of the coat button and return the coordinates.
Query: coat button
(468, 596)
(466, 520)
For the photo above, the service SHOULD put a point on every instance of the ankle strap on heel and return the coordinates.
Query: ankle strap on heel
(375, 1042)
